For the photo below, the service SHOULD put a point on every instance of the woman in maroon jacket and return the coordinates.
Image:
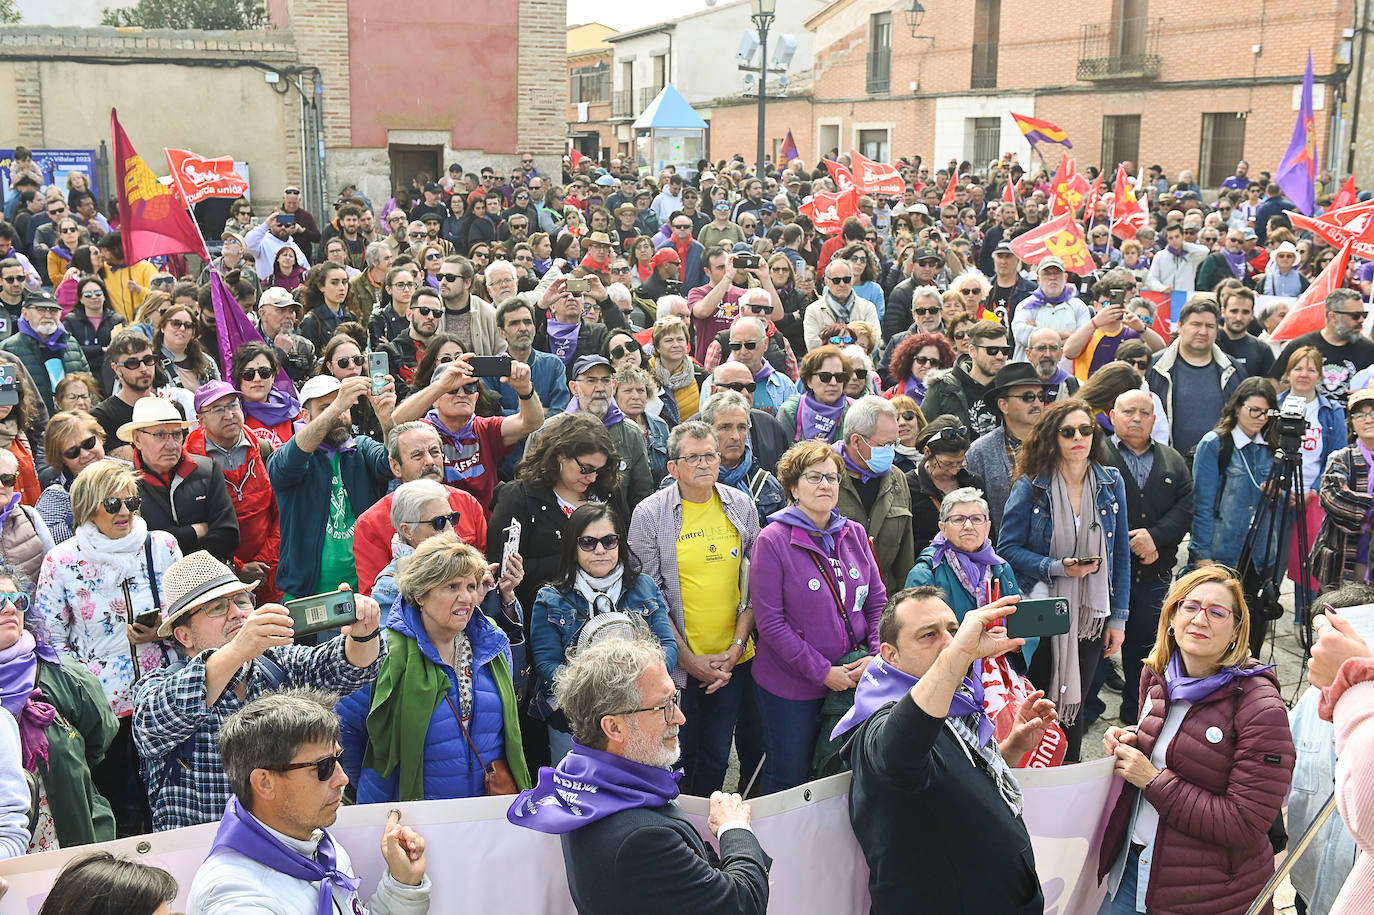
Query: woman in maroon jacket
(1206, 770)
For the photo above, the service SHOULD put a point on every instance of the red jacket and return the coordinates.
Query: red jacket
(1216, 797)
(373, 531)
(256, 508)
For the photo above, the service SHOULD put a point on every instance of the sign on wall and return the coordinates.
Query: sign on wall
(56, 165)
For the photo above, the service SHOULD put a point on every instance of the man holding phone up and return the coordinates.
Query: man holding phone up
(1095, 343)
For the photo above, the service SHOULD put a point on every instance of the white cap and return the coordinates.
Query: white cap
(319, 386)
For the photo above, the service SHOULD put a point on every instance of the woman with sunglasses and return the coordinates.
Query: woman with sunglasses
(175, 336)
(597, 573)
(624, 350)
(863, 379)
(432, 261)
(287, 271)
(60, 254)
(241, 217)
(1064, 531)
(270, 413)
(1208, 769)
(913, 358)
(943, 446)
(90, 590)
(343, 358)
(819, 411)
(449, 660)
(93, 322)
(911, 422)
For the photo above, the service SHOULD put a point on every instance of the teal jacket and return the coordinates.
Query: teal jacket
(958, 598)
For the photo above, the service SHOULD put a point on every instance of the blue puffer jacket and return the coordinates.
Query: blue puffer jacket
(557, 618)
(1024, 539)
(450, 769)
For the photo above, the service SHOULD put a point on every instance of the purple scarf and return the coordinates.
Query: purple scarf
(967, 567)
(5, 512)
(1362, 545)
(797, 518)
(242, 832)
(590, 785)
(863, 473)
(1183, 688)
(882, 684)
(278, 408)
(563, 339)
(915, 388)
(1174, 251)
(1038, 299)
(817, 420)
(55, 345)
(613, 413)
(334, 451)
(762, 374)
(21, 698)
(1236, 262)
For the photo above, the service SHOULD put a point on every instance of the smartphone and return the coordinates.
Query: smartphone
(322, 611)
(286, 219)
(150, 619)
(512, 544)
(9, 390)
(376, 370)
(578, 284)
(1084, 560)
(1046, 616)
(1117, 296)
(490, 366)
(746, 261)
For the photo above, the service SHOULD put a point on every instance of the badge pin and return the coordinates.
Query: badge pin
(1214, 734)
(853, 572)
(813, 585)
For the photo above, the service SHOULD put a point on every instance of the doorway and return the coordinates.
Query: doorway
(409, 161)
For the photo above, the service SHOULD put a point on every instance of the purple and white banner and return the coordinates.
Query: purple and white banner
(477, 859)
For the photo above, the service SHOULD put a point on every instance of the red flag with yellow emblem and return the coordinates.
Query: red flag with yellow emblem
(151, 218)
(1061, 237)
(1068, 188)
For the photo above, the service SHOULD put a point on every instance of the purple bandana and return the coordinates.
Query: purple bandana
(1236, 262)
(590, 785)
(1038, 299)
(968, 567)
(21, 698)
(55, 345)
(613, 412)
(1183, 688)
(13, 503)
(242, 832)
(762, 374)
(279, 407)
(818, 420)
(334, 451)
(915, 388)
(1174, 251)
(797, 518)
(563, 339)
(882, 684)
(863, 473)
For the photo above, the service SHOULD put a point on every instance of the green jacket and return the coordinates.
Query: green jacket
(787, 416)
(35, 360)
(77, 740)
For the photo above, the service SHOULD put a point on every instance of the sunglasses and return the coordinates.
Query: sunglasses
(620, 352)
(135, 362)
(264, 372)
(926, 360)
(1031, 397)
(737, 345)
(343, 362)
(111, 505)
(471, 387)
(179, 324)
(861, 374)
(842, 280)
(952, 432)
(18, 599)
(739, 387)
(455, 277)
(997, 350)
(832, 377)
(1070, 432)
(439, 522)
(907, 415)
(925, 311)
(589, 544)
(324, 768)
(844, 340)
(8, 479)
(74, 451)
(427, 312)
(587, 470)
(92, 294)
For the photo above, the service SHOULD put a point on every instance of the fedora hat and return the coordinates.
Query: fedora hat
(598, 238)
(152, 411)
(194, 581)
(1011, 375)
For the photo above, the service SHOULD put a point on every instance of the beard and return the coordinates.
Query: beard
(599, 405)
(1350, 334)
(645, 750)
(1046, 367)
(338, 435)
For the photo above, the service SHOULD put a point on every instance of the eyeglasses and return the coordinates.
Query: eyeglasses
(607, 543)
(925, 311)
(841, 280)
(427, 312)
(232, 406)
(92, 294)
(136, 361)
(966, 520)
(668, 708)
(439, 522)
(1362, 414)
(740, 387)
(833, 377)
(404, 284)
(219, 608)
(1255, 412)
(1215, 612)
(1047, 348)
(816, 478)
(944, 466)
(736, 345)
(1070, 432)
(996, 350)
(111, 505)
(344, 362)
(169, 436)
(263, 371)
(324, 768)
(18, 599)
(700, 460)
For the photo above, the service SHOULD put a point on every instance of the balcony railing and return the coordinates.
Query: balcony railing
(1120, 49)
(880, 70)
(984, 66)
(648, 95)
(622, 103)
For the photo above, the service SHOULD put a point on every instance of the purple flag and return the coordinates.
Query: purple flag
(1297, 172)
(233, 329)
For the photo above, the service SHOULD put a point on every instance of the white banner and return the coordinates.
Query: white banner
(477, 859)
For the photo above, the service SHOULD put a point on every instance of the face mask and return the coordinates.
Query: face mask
(880, 458)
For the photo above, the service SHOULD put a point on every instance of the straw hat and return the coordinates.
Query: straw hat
(194, 581)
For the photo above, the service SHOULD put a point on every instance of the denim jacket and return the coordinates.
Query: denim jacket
(1221, 515)
(1320, 873)
(1024, 538)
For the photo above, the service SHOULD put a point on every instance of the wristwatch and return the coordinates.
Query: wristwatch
(739, 642)
(525, 396)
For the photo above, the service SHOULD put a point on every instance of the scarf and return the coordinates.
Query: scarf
(863, 473)
(1362, 545)
(613, 412)
(818, 420)
(563, 339)
(1038, 299)
(1176, 252)
(55, 345)
(408, 690)
(972, 569)
(882, 684)
(20, 696)
(598, 591)
(737, 476)
(279, 407)
(244, 833)
(1236, 262)
(795, 517)
(1059, 377)
(542, 265)
(333, 451)
(1184, 688)
(674, 381)
(839, 309)
(762, 374)
(590, 785)
(124, 555)
(9, 507)
(1089, 602)
(915, 388)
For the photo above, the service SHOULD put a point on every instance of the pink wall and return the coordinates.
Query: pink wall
(410, 74)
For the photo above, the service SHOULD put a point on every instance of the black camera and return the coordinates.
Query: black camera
(1287, 428)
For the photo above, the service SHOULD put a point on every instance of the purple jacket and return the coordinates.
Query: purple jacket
(800, 631)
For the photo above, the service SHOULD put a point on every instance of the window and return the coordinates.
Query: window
(880, 52)
(1128, 28)
(590, 84)
(622, 100)
(987, 25)
(874, 143)
(1223, 144)
(828, 138)
(1120, 142)
(987, 142)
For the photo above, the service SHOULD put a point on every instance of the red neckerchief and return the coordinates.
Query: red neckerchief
(183, 469)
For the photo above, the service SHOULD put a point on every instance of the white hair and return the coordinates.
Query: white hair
(926, 292)
(974, 275)
(756, 295)
(667, 302)
(862, 416)
(496, 267)
(962, 495)
(619, 293)
(410, 499)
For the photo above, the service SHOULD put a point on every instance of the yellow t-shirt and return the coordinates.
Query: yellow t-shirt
(708, 561)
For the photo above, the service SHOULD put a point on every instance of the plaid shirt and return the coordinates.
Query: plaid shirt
(177, 735)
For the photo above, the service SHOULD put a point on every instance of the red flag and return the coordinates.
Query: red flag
(152, 221)
(196, 177)
(843, 178)
(1346, 196)
(574, 157)
(1068, 188)
(1061, 237)
(1352, 225)
(1090, 205)
(1009, 194)
(829, 211)
(875, 177)
(1163, 323)
(948, 197)
(1128, 214)
(1309, 313)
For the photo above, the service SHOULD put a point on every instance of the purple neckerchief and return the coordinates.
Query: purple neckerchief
(563, 339)
(818, 420)
(61, 252)
(9, 507)
(279, 407)
(863, 473)
(20, 696)
(1183, 688)
(464, 434)
(797, 518)
(1059, 377)
(968, 567)
(762, 374)
(1362, 545)
(1041, 300)
(243, 833)
(1236, 262)
(1174, 251)
(590, 785)
(613, 412)
(882, 684)
(915, 388)
(334, 451)
(55, 345)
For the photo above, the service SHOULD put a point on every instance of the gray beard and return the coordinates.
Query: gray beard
(337, 435)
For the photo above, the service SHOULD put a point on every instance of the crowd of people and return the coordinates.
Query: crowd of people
(625, 473)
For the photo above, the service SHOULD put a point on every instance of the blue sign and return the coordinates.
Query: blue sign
(56, 165)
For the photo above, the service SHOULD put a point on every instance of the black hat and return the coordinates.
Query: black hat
(924, 254)
(1011, 375)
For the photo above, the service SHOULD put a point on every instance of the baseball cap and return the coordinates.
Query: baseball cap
(230, 233)
(1004, 247)
(1359, 397)
(275, 295)
(607, 181)
(665, 256)
(581, 365)
(212, 391)
(432, 188)
(706, 176)
(924, 254)
(1051, 262)
(319, 386)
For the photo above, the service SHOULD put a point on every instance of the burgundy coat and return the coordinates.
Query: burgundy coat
(1216, 801)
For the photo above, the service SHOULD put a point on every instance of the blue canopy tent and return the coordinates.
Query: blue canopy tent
(670, 132)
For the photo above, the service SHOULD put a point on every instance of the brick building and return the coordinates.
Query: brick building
(589, 88)
(1161, 82)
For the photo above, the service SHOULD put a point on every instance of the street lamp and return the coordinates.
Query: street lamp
(762, 12)
(914, 13)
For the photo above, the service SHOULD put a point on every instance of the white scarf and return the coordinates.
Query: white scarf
(603, 589)
(124, 555)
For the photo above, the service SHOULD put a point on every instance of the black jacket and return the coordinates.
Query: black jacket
(319, 324)
(93, 339)
(897, 315)
(933, 826)
(197, 494)
(651, 859)
(1167, 514)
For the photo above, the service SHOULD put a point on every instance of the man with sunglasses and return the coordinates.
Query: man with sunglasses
(405, 350)
(1345, 350)
(1017, 397)
(838, 304)
(960, 392)
(748, 344)
(468, 317)
(130, 356)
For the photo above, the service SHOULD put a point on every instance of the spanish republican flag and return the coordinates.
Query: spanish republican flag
(1039, 131)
